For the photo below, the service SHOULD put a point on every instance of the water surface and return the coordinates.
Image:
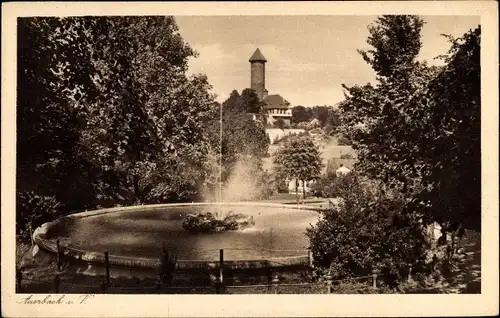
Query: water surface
(277, 232)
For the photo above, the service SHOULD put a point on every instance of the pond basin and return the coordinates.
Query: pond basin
(134, 236)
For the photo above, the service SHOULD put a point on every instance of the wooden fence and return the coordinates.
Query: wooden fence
(219, 286)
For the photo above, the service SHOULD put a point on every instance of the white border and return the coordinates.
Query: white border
(263, 305)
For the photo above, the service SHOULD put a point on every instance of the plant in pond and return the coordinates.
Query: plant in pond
(168, 263)
(216, 222)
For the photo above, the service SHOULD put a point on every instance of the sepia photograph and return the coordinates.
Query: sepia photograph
(247, 154)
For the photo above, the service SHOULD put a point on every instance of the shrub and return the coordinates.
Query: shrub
(367, 230)
(267, 186)
(328, 186)
(32, 210)
(346, 156)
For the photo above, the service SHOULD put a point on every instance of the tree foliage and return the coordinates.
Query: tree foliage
(298, 158)
(279, 123)
(418, 128)
(367, 230)
(416, 133)
(301, 114)
(327, 116)
(243, 139)
(247, 102)
(106, 112)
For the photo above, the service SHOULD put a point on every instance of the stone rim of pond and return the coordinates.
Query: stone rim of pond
(42, 240)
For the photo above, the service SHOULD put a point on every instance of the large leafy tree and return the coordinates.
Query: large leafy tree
(53, 71)
(452, 144)
(250, 101)
(301, 114)
(298, 158)
(156, 113)
(105, 110)
(233, 103)
(247, 102)
(417, 128)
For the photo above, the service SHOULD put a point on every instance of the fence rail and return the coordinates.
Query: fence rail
(219, 285)
(56, 285)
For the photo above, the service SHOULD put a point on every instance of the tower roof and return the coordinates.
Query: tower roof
(257, 57)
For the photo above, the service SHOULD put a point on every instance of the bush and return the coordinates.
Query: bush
(328, 186)
(32, 210)
(367, 231)
(267, 186)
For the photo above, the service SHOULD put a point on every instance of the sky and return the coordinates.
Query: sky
(308, 57)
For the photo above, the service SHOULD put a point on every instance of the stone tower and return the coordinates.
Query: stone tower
(258, 74)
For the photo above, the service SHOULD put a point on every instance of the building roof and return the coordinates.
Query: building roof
(276, 102)
(257, 57)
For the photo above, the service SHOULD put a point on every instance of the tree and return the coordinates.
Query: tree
(54, 78)
(380, 121)
(322, 114)
(301, 114)
(298, 158)
(279, 123)
(417, 129)
(233, 103)
(243, 140)
(250, 101)
(452, 146)
(395, 42)
(147, 127)
(114, 117)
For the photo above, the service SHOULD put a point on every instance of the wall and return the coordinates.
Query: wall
(274, 133)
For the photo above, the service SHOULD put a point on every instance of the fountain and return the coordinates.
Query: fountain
(134, 236)
(259, 235)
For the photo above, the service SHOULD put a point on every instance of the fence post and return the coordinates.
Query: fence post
(374, 276)
(57, 283)
(275, 282)
(158, 285)
(31, 236)
(221, 266)
(218, 289)
(310, 258)
(329, 281)
(58, 255)
(103, 287)
(106, 261)
(19, 280)
(409, 273)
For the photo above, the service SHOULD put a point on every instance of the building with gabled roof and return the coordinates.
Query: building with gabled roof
(275, 105)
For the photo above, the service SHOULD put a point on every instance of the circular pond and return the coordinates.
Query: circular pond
(140, 232)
